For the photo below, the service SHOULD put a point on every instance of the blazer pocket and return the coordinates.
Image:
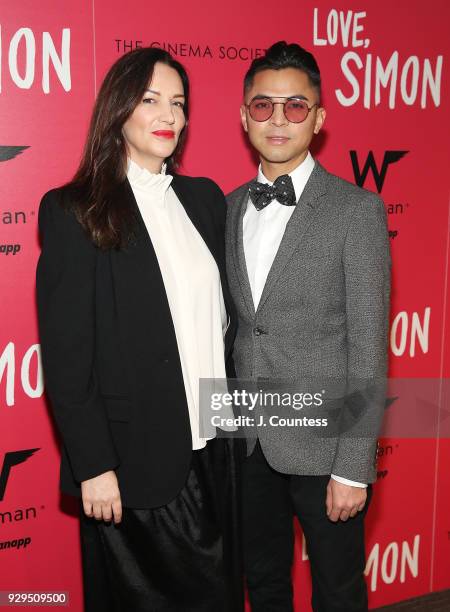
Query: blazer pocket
(118, 409)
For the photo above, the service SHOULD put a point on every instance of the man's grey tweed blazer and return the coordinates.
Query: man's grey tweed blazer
(323, 314)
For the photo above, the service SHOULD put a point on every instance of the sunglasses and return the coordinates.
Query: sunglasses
(295, 110)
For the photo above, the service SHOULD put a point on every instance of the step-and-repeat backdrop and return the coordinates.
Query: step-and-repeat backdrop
(385, 76)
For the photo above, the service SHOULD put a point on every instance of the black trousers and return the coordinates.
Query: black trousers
(181, 557)
(336, 550)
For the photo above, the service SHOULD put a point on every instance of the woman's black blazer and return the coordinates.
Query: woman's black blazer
(110, 356)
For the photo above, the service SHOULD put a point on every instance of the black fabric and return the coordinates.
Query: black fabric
(109, 350)
(180, 557)
(336, 550)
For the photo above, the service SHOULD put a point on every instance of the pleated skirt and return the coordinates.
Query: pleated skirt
(184, 556)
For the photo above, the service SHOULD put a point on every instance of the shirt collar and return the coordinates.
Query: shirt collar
(143, 180)
(299, 175)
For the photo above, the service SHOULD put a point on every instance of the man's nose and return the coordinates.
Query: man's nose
(278, 116)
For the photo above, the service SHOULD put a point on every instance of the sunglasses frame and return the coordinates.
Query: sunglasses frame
(286, 100)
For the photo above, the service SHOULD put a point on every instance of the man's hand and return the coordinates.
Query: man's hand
(344, 501)
(101, 497)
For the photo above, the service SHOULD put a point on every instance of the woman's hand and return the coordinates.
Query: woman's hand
(101, 497)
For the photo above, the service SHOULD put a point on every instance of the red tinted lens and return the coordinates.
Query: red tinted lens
(260, 109)
(296, 111)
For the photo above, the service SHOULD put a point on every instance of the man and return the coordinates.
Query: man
(309, 270)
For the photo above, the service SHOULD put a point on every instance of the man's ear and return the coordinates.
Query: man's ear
(320, 119)
(243, 111)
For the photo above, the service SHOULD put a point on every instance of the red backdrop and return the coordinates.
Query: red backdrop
(386, 94)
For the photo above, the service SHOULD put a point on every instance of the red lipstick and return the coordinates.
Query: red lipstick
(164, 133)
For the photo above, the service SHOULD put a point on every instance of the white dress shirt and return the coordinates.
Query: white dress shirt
(262, 233)
(192, 283)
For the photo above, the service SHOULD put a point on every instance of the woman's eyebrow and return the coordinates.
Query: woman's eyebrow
(157, 93)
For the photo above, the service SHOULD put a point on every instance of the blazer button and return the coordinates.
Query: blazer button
(258, 331)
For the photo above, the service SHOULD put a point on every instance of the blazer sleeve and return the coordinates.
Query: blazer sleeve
(367, 267)
(65, 281)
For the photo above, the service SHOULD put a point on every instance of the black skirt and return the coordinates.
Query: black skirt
(181, 557)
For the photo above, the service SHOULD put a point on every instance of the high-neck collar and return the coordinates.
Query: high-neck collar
(143, 179)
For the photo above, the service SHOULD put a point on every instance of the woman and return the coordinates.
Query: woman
(133, 309)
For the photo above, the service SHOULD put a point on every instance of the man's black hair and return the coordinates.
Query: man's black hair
(281, 55)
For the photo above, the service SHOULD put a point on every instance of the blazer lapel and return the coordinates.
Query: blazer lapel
(237, 222)
(188, 201)
(302, 217)
(145, 323)
(206, 231)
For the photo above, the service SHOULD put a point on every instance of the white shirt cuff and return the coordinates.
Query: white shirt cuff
(346, 481)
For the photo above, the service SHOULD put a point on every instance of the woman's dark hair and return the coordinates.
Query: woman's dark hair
(109, 222)
(281, 55)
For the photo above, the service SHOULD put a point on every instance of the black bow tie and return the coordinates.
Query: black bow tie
(282, 191)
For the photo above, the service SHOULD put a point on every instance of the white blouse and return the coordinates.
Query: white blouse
(192, 283)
